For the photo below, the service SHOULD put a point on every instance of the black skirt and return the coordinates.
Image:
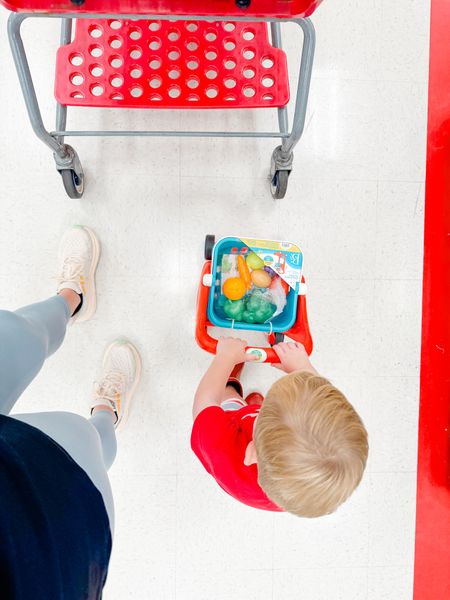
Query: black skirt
(55, 540)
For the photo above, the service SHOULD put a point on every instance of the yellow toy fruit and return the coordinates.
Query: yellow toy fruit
(261, 278)
(234, 288)
(254, 261)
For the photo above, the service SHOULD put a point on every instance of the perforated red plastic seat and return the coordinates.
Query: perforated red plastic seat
(167, 64)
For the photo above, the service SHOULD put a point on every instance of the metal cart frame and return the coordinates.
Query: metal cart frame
(66, 158)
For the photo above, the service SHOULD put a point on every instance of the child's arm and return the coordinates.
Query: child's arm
(230, 352)
(293, 357)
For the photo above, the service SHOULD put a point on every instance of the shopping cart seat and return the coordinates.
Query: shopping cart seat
(168, 64)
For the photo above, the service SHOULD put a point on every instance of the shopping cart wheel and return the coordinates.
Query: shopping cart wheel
(280, 169)
(210, 240)
(279, 183)
(73, 183)
(69, 165)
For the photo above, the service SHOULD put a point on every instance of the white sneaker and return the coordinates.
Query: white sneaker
(78, 256)
(118, 380)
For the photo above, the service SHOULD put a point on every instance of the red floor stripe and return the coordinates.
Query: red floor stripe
(432, 559)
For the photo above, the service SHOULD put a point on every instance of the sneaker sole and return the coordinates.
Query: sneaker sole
(137, 377)
(90, 300)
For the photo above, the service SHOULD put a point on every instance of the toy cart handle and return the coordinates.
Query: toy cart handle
(299, 331)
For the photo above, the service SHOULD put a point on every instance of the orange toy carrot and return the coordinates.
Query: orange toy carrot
(244, 272)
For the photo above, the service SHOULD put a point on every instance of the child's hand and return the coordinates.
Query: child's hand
(293, 357)
(233, 349)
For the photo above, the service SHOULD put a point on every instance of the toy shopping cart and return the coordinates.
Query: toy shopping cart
(220, 257)
(183, 54)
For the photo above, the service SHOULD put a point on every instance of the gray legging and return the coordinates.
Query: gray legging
(28, 337)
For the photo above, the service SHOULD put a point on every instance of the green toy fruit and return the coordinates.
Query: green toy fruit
(264, 313)
(234, 309)
(254, 262)
(256, 299)
(258, 308)
(248, 316)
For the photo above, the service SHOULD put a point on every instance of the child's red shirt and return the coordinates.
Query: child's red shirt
(219, 439)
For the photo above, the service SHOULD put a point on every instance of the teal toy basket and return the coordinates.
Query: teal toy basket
(216, 315)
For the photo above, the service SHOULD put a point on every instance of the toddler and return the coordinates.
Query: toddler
(302, 449)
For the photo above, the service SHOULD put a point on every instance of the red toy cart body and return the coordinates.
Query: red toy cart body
(299, 331)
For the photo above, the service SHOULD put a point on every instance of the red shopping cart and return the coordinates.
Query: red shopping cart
(168, 54)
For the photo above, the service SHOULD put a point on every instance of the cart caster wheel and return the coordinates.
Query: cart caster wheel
(73, 183)
(278, 184)
(210, 240)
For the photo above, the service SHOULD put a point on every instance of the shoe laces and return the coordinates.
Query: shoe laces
(71, 269)
(110, 387)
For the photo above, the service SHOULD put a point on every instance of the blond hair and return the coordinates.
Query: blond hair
(311, 445)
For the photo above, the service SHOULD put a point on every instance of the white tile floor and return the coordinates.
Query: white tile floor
(355, 204)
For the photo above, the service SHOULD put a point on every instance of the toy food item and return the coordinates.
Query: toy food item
(274, 284)
(234, 288)
(270, 271)
(227, 265)
(244, 272)
(261, 279)
(249, 317)
(234, 309)
(259, 308)
(254, 262)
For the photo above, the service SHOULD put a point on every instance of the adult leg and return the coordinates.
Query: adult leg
(85, 444)
(104, 420)
(31, 334)
(28, 337)
(92, 443)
